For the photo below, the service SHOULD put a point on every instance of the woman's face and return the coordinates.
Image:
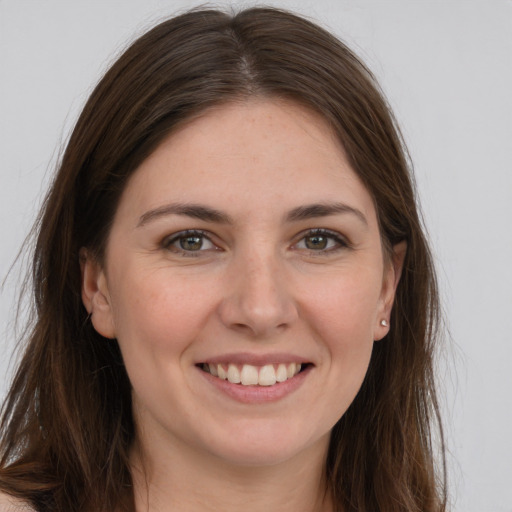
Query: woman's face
(244, 248)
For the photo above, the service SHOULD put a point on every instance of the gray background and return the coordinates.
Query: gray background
(446, 69)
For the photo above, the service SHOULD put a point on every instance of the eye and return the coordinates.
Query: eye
(189, 241)
(321, 240)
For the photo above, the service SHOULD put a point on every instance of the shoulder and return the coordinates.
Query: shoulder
(10, 504)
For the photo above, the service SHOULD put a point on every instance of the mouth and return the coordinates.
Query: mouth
(251, 375)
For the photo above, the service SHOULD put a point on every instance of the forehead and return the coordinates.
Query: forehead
(258, 154)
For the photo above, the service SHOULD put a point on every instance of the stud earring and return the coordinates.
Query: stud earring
(384, 323)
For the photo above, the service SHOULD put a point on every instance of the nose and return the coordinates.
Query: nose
(258, 301)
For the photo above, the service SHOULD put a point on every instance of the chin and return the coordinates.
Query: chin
(260, 445)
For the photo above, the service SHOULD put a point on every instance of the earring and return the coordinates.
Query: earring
(384, 323)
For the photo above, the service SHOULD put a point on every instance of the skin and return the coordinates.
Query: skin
(259, 285)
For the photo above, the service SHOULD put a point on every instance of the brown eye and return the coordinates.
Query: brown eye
(316, 242)
(191, 243)
(188, 242)
(322, 241)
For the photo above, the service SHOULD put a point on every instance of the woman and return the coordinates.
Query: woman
(235, 303)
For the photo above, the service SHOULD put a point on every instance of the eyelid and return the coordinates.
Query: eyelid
(341, 240)
(169, 240)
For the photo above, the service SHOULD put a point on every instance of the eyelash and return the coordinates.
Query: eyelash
(340, 242)
(182, 235)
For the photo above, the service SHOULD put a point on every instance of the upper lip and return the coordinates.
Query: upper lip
(255, 359)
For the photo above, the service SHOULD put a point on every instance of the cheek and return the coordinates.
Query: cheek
(343, 315)
(159, 314)
(157, 320)
(345, 307)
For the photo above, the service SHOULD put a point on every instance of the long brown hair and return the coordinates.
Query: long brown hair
(67, 423)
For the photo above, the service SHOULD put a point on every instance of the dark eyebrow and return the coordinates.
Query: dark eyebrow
(195, 211)
(311, 211)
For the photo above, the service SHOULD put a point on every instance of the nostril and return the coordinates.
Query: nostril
(243, 328)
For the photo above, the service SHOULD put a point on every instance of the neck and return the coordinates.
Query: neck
(180, 481)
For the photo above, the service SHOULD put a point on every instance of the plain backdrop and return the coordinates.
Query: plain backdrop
(446, 68)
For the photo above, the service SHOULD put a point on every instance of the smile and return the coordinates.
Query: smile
(250, 375)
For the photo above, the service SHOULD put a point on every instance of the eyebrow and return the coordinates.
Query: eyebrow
(209, 214)
(312, 211)
(195, 211)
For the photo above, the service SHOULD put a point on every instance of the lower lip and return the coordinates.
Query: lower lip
(258, 394)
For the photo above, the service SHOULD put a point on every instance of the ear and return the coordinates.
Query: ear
(391, 278)
(95, 295)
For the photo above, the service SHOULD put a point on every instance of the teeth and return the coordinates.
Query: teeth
(282, 373)
(233, 374)
(291, 370)
(221, 372)
(267, 375)
(250, 375)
